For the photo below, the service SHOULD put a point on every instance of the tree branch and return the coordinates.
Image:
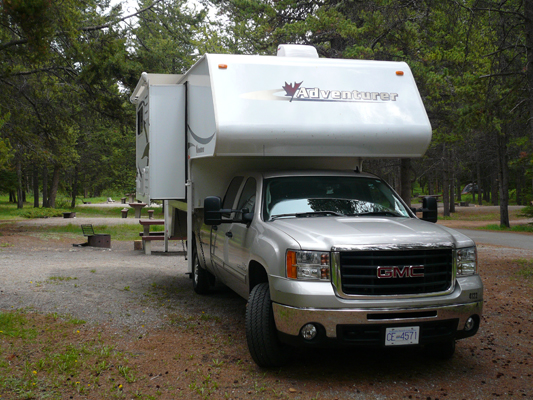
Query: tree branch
(504, 49)
(36, 71)
(501, 74)
(13, 43)
(100, 27)
(32, 103)
(500, 11)
(472, 9)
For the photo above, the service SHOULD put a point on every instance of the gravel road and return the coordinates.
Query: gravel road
(122, 292)
(93, 284)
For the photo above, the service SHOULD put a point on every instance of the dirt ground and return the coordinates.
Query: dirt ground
(182, 345)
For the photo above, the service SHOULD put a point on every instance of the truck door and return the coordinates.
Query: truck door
(219, 250)
(239, 239)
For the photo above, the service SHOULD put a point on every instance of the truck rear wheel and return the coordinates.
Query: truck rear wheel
(261, 332)
(200, 276)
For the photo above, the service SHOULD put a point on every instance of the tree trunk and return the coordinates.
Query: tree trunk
(495, 188)
(35, 187)
(451, 170)
(503, 177)
(20, 202)
(405, 180)
(74, 188)
(55, 186)
(486, 189)
(473, 185)
(528, 22)
(479, 184)
(519, 190)
(46, 202)
(445, 183)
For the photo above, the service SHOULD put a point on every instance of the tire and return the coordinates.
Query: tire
(261, 333)
(441, 350)
(200, 276)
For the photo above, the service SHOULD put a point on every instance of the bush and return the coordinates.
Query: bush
(42, 213)
(527, 212)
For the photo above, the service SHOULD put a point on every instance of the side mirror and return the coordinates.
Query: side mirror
(429, 209)
(247, 216)
(212, 207)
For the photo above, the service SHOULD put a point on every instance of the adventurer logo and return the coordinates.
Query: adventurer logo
(297, 92)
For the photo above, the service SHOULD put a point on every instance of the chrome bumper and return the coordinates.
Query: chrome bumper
(289, 320)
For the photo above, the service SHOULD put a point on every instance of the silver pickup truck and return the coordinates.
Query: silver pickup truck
(336, 258)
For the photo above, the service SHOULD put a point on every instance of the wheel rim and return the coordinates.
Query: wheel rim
(195, 273)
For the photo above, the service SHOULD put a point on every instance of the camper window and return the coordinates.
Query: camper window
(140, 116)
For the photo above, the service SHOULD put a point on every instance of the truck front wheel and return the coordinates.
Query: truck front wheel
(261, 332)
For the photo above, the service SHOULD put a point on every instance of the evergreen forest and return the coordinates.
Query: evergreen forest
(67, 69)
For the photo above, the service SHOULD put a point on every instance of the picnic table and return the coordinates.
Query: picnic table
(148, 236)
(138, 207)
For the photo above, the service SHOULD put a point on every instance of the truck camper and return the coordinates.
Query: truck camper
(259, 159)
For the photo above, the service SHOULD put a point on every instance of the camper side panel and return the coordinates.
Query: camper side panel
(142, 148)
(201, 123)
(168, 156)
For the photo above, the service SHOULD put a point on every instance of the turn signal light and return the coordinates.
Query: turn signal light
(292, 270)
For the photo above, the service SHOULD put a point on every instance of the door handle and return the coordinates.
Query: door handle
(229, 234)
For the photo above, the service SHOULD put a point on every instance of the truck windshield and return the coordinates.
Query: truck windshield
(317, 196)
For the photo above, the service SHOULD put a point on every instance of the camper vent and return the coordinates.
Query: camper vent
(297, 50)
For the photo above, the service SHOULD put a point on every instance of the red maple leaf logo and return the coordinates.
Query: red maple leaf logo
(291, 90)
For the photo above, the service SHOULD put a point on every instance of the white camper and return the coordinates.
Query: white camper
(265, 155)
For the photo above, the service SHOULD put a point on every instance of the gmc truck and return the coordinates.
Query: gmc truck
(259, 160)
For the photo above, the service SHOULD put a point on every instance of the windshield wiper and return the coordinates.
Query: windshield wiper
(306, 214)
(380, 213)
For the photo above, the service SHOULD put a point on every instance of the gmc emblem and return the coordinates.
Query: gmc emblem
(406, 271)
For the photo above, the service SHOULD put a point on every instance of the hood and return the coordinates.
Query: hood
(324, 233)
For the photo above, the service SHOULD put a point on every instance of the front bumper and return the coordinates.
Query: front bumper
(345, 326)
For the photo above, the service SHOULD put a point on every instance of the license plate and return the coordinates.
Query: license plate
(402, 335)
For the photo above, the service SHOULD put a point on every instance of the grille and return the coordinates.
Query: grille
(358, 271)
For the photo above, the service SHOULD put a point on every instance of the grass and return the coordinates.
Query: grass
(117, 232)
(472, 215)
(14, 325)
(516, 228)
(9, 211)
(526, 269)
(49, 357)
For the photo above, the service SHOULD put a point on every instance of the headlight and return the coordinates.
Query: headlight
(466, 261)
(308, 265)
